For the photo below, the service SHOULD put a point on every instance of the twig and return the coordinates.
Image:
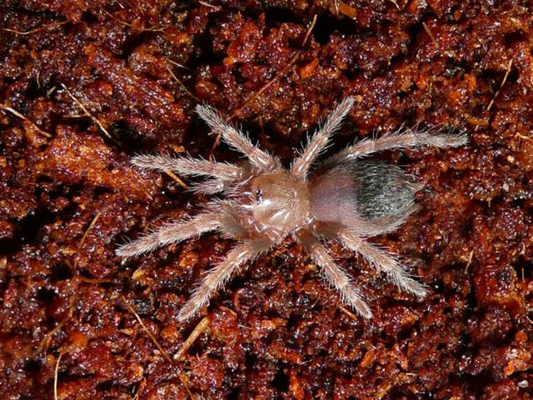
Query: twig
(198, 330)
(501, 85)
(347, 312)
(345, 9)
(56, 373)
(95, 120)
(430, 34)
(17, 114)
(178, 64)
(396, 4)
(182, 377)
(91, 226)
(182, 85)
(209, 5)
(41, 28)
(152, 337)
(470, 257)
(44, 342)
(177, 179)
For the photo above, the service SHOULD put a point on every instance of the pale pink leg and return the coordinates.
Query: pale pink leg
(301, 165)
(219, 275)
(405, 140)
(238, 140)
(334, 275)
(382, 261)
(188, 166)
(173, 232)
(210, 186)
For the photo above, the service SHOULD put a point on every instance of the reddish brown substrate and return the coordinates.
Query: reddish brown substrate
(68, 197)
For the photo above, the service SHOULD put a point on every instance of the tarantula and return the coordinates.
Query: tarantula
(343, 199)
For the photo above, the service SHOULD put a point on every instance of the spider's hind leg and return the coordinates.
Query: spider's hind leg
(382, 261)
(334, 274)
(406, 139)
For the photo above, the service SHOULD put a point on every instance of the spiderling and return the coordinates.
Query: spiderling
(343, 198)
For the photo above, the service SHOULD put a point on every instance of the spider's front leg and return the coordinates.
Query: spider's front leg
(217, 277)
(405, 140)
(238, 140)
(382, 261)
(320, 140)
(188, 166)
(334, 274)
(179, 231)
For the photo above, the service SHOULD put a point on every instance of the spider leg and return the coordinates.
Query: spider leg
(173, 232)
(217, 277)
(301, 165)
(334, 274)
(382, 261)
(188, 166)
(404, 140)
(238, 140)
(210, 186)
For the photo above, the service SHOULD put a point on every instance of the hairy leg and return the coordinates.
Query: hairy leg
(217, 277)
(188, 166)
(238, 140)
(334, 275)
(301, 165)
(405, 140)
(173, 232)
(383, 262)
(210, 186)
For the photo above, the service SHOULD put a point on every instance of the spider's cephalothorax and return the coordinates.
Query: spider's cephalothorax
(344, 199)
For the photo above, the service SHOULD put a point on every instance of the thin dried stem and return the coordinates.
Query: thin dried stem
(182, 85)
(41, 28)
(176, 179)
(507, 72)
(17, 114)
(95, 120)
(202, 326)
(160, 348)
(56, 376)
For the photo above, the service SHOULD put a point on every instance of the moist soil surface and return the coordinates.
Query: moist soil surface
(85, 86)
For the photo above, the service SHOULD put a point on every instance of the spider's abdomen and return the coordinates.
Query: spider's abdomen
(361, 191)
